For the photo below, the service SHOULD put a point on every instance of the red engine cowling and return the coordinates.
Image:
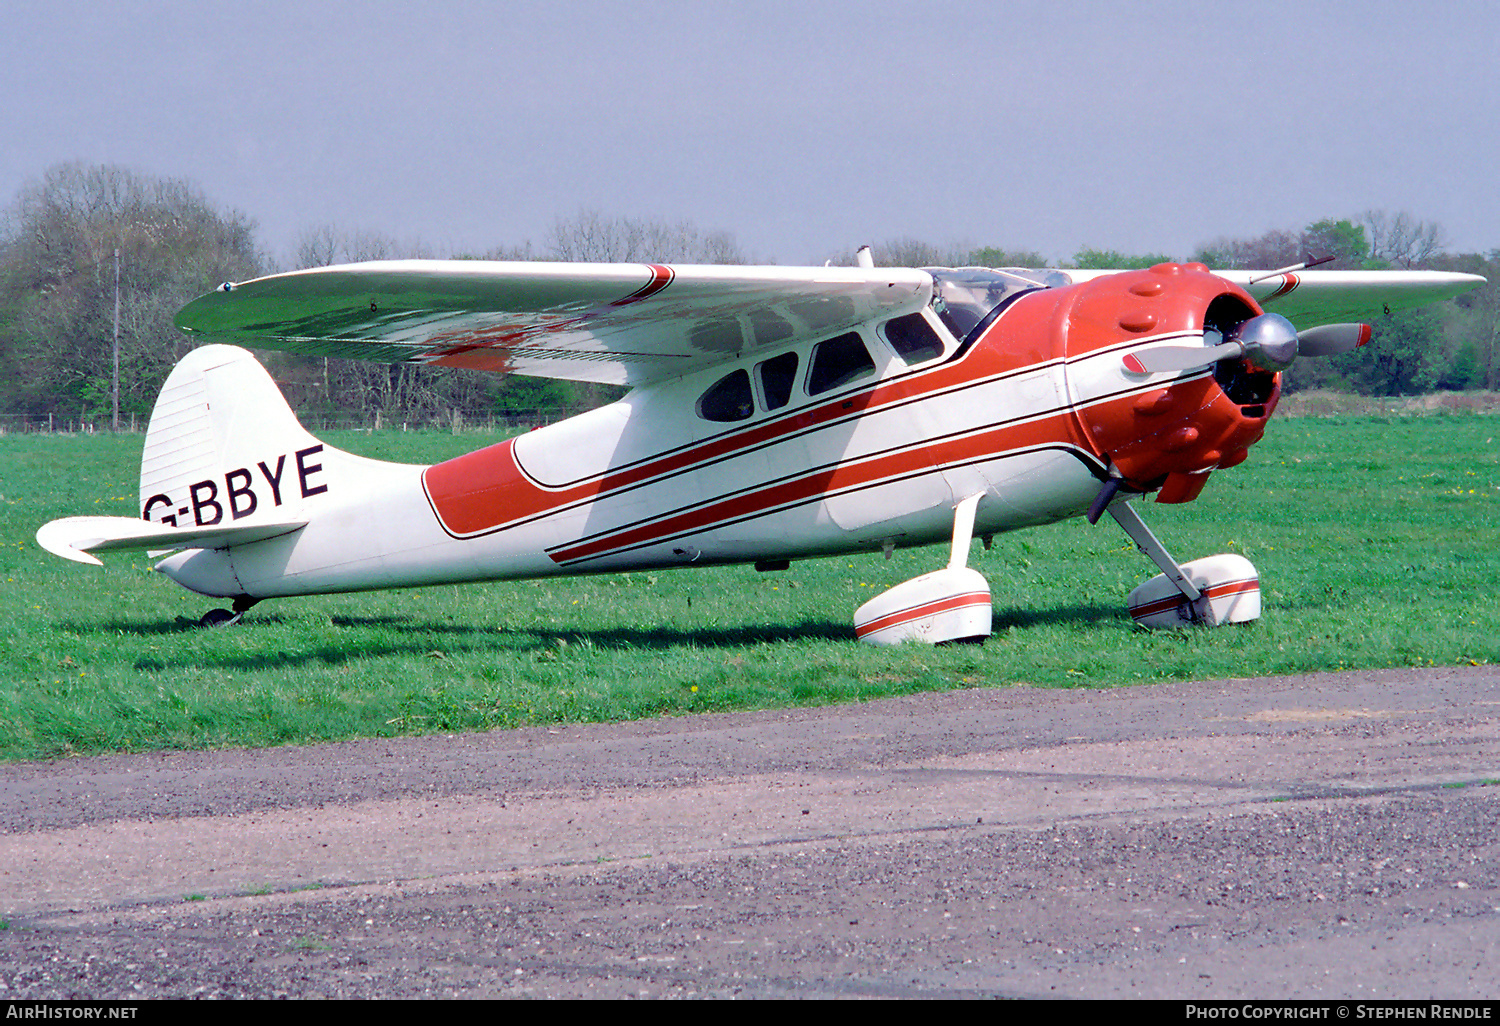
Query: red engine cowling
(1163, 437)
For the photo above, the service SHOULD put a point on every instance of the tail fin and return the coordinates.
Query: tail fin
(223, 445)
(226, 463)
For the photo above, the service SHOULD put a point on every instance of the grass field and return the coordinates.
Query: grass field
(1377, 541)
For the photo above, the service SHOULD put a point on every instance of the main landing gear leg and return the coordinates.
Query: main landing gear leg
(952, 604)
(225, 618)
(1210, 591)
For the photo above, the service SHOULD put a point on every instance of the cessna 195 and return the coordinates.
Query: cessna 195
(775, 413)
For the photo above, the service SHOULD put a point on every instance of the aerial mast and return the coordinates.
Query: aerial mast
(116, 386)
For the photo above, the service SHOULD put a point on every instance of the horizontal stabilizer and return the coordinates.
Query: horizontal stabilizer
(75, 537)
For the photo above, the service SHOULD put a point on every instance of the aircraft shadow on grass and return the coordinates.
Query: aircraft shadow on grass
(503, 637)
(1059, 616)
(415, 637)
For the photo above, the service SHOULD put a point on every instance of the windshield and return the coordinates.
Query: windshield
(964, 296)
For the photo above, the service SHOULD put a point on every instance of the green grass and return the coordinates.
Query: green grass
(1376, 541)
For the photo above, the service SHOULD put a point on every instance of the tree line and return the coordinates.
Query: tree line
(95, 260)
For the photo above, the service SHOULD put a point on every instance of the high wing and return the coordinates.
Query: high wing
(1312, 298)
(632, 324)
(617, 323)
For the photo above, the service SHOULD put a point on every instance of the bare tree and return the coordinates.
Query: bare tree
(994, 256)
(591, 237)
(327, 244)
(520, 253)
(1401, 239)
(59, 283)
(392, 391)
(907, 251)
(1273, 249)
(1473, 319)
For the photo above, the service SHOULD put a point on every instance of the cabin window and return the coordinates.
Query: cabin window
(728, 399)
(913, 339)
(777, 376)
(838, 362)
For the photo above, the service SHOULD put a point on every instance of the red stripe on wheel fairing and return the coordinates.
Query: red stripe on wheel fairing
(917, 612)
(1217, 591)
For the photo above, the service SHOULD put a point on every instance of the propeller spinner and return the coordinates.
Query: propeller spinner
(1268, 340)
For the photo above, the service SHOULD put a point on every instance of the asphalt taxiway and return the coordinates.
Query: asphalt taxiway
(1325, 836)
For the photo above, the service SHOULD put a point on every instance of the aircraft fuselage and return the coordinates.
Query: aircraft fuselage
(1032, 413)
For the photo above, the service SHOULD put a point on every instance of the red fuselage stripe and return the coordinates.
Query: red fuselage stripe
(830, 480)
(485, 491)
(492, 489)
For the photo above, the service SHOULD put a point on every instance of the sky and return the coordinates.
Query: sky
(802, 128)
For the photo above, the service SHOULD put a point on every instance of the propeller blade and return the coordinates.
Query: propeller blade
(1180, 358)
(1268, 340)
(1332, 339)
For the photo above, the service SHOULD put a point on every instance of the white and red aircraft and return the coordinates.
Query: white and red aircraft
(774, 414)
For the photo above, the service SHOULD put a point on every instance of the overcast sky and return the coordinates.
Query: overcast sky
(803, 128)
